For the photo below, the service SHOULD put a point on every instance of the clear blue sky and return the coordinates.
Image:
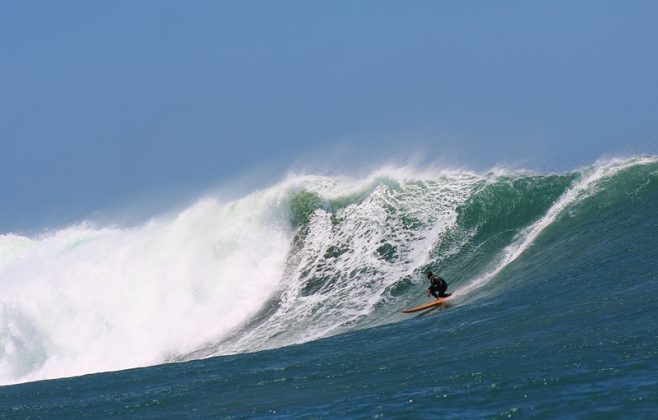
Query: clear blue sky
(101, 101)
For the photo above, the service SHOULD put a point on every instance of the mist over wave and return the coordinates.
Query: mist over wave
(309, 257)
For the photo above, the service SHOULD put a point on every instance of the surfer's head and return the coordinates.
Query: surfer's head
(429, 274)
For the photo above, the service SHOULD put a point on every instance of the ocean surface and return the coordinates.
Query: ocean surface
(287, 301)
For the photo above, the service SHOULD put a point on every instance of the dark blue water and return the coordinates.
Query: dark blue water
(565, 329)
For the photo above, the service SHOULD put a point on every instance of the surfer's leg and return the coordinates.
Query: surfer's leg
(442, 290)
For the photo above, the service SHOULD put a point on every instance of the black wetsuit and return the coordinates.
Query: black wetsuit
(438, 287)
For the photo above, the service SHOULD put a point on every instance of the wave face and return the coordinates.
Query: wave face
(304, 259)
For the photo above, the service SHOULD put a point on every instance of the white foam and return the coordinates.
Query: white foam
(347, 287)
(90, 299)
(12, 246)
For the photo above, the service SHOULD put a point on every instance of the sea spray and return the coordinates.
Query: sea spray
(88, 299)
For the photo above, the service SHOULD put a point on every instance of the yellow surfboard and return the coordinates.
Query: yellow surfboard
(437, 302)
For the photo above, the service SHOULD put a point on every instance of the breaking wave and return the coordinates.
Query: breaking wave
(309, 257)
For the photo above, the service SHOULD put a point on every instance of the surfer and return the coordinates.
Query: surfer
(438, 286)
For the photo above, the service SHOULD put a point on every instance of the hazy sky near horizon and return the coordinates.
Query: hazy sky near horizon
(101, 102)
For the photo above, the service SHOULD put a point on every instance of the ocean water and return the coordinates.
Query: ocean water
(287, 301)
